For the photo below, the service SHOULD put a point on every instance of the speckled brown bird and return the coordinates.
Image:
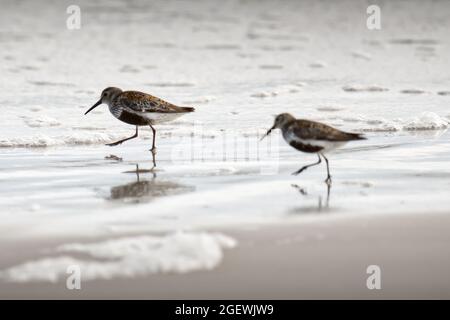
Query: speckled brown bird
(311, 137)
(139, 109)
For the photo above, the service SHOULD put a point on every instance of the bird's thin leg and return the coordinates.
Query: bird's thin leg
(328, 194)
(154, 162)
(122, 141)
(306, 167)
(328, 180)
(153, 149)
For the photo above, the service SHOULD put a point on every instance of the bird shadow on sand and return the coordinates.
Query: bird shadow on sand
(146, 187)
(323, 200)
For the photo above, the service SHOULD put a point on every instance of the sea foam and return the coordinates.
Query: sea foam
(43, 140)
(128, 257)
(362, 88)
(424, 121)
(42, 121)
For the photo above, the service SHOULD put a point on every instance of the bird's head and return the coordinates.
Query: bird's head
(280, 121)
(107, 96)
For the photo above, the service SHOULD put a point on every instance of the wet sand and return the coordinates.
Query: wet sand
(293, 240)
(324, 259)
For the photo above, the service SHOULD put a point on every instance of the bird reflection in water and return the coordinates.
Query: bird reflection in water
(143, 190)
(320, 205)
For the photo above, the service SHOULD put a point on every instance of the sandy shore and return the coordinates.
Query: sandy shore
(323, 259)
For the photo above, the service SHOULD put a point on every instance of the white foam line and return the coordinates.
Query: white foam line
(128, 257)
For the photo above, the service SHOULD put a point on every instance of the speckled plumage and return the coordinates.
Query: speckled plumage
(142, 102)
(312, 130)
(139, 109)
(312, 137)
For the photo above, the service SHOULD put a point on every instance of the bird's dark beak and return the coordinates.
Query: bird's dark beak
(268, 132)
(99, 102)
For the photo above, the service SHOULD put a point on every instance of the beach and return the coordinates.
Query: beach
(221, 215)
(325, 258)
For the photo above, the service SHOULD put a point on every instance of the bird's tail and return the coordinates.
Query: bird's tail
(187, 109)
(356, 136)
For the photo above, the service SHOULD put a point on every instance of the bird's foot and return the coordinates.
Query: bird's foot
(296, 173)
(113, 144)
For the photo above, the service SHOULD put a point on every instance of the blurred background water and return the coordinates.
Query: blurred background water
(238, 63)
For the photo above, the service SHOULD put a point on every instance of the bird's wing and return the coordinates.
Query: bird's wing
(142, 102)
(311, 130)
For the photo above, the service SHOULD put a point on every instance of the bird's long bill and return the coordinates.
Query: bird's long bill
(99, 102)
(268, 132)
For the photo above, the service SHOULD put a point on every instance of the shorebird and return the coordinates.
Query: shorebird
(311, 137)
(139, 109)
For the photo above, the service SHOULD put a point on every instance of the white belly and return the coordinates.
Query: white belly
(156, 118)
(326, 145)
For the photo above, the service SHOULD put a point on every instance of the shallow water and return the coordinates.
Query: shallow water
(238, 66)
(81, 191)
